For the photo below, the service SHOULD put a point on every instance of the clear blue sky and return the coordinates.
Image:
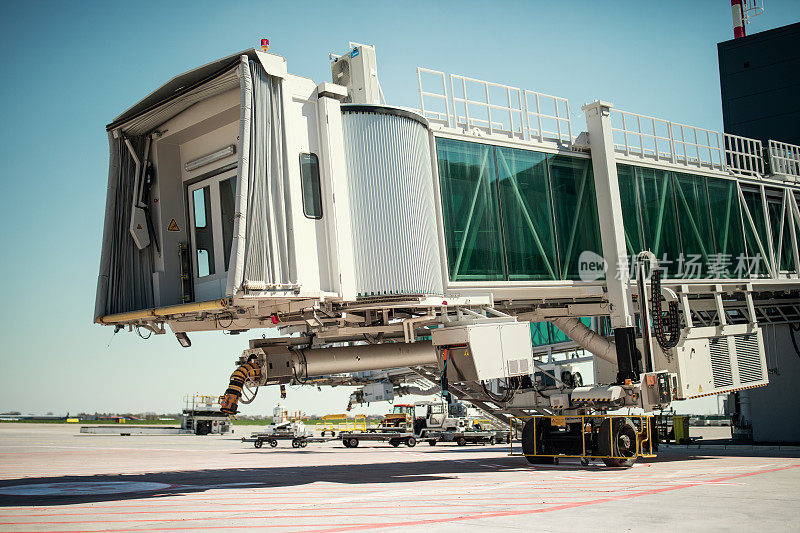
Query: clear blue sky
(71, 67)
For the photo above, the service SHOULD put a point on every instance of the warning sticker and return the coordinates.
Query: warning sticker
(138, 226)
(173, 226)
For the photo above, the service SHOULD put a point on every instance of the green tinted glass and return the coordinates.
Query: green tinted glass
(726, 220)
(575, 205)
(780, 232)
(634, 241)
(695, 223)
(540, 333)
(527, 214)
(757, 218)
(471, 211)
(659, 221)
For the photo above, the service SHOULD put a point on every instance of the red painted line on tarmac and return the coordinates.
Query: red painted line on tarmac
(266, 517)
(57, 513)
(545, 510)
(353, 527)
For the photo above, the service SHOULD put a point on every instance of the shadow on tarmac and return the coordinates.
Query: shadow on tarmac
(393, 473)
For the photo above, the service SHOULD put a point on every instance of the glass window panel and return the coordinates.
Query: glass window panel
(656, 194)
(556, 335)
(540, 333)
(227, 192)
(752, 201)
(471, 211)
(311, 189)
(199, 197)
(726, 220)
(695, 224)
(527, 214)
(634, 241)
(204, 266)
(775, 206)
(203, 231)
(575, 203)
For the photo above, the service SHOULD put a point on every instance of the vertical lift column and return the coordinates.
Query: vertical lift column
(609, 207)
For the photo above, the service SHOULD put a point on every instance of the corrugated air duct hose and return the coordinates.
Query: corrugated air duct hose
(666, 328)
(250, 371)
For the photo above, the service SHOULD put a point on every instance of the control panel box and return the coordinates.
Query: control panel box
(658, 390)
(381, 391)
(479, 352)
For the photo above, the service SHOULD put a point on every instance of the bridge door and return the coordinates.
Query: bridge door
(211, 214)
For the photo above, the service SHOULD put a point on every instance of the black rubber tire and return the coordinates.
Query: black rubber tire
(527, 443)
(411, 442)
(461, 441)
(273, 443)
(346, 443)
(353, 442)
(258, 444)
(432, 442)
(295, 443)
(622, 426)
(303, 443)
(492, 441)
(394, 442)
(333, 433)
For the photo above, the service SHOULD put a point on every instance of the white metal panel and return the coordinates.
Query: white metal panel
(393, 214)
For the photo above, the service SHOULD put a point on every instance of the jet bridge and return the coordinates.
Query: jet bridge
(244, 197)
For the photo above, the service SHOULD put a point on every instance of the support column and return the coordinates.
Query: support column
(334, 174)
(612, 231)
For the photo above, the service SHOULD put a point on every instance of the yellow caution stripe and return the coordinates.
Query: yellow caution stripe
(727, 391)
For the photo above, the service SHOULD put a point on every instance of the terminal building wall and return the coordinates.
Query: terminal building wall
(760, 84)
(760, 81)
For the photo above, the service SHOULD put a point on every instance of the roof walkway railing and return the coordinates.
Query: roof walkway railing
(495, 108)
(531, 116)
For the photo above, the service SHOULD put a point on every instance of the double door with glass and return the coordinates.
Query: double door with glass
(211, 216)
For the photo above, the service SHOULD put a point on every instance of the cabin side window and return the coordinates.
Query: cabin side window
(310, 185)
(203, 231)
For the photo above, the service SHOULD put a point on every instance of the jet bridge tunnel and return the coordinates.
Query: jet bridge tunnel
(241, 196)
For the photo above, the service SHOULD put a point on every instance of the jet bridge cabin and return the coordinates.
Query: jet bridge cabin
(229, 205)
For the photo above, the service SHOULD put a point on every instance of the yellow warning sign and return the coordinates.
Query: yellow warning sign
(138, 226)
(173, 226)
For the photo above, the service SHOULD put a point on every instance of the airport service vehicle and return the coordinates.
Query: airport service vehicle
(430, 421)
(293, 430)
(203, 415)
(370, 236)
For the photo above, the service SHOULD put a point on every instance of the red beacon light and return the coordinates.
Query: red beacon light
(264, 45)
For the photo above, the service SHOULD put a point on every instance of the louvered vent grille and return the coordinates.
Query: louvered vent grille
(720, 363)
(518, 367)
(749, 359)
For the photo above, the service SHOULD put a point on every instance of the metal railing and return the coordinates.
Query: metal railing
(495, 108)
(784, 159)
(340, 422)
(657, 139)
(744, 155)
(498, 109)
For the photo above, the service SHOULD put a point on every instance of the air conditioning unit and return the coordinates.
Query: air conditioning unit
(358, 71)
(708, 363)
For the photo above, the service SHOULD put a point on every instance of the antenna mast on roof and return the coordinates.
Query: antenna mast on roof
(743, 11)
